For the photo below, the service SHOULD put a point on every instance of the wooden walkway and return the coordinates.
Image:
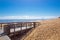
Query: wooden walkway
(17, 27)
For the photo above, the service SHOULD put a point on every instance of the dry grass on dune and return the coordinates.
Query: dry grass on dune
(48, 30)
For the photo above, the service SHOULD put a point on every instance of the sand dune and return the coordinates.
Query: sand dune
(48, 30)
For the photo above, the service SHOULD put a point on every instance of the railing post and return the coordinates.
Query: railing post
(21, 27)
(26, 25)
(1, 25)
(6, 29)
(34, 24)
(14, 29)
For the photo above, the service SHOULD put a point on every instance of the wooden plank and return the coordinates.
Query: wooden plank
(7, 29)
(34, 24)
(1, 25)
(21, 27)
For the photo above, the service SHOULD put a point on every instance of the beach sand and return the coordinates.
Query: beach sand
(48, 30)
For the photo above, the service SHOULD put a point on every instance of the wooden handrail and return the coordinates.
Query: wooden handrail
(21, 24)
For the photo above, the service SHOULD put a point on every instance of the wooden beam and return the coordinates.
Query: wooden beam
(34, 24)
(21, 27)
(7, 29)
(1, 25)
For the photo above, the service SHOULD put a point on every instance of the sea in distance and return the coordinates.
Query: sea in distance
(18, 20)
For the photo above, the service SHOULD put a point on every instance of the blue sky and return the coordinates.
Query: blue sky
(28, 8)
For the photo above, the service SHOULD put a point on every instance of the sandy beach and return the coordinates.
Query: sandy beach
(48, 30)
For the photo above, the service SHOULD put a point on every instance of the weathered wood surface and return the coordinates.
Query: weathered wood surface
(17, 26)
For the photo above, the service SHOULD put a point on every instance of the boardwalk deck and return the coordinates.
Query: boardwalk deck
(13, 27)
(19, 29)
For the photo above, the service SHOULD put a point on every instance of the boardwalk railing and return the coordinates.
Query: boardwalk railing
(9, 28)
